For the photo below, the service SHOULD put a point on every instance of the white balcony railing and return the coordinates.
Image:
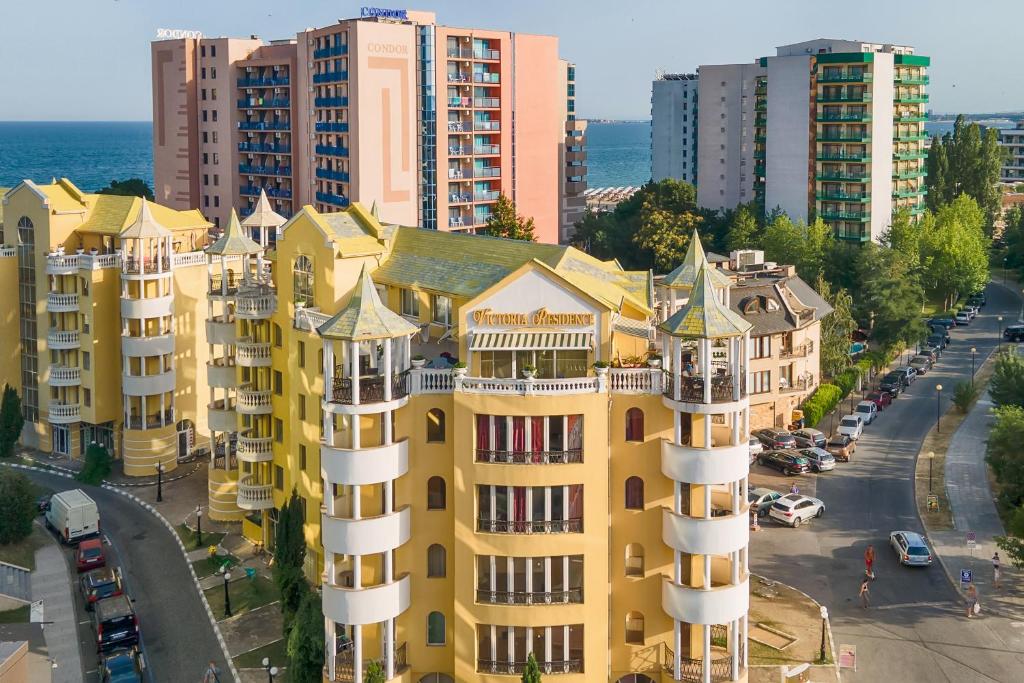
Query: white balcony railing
(254, 496)
(253, 402)
(253, 354)
(63, 339)
(431, 381)
(61, 264)
(549, 387)
(61, 376)
(8, 252)
(255, 448)
(58, 302)
(635, 380)
(255, 305)
(309, 319)
(190, 258)
(618, 380)
(64, 413)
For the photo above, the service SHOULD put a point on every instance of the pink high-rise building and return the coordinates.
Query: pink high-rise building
(428, 122)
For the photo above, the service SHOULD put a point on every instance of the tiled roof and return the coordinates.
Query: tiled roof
(366, 317)
(233, 242)
(686, 273)
(797, 305)
(263, 216)
(144, 225)
(703, 315)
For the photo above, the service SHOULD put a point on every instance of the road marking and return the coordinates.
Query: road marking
(81, 623)
(904, 605)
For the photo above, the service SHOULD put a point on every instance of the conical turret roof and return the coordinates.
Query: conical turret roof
(233, 242)
(366, 317)
(263, 216)
(144, 225)
(685, 274)
(703, 315)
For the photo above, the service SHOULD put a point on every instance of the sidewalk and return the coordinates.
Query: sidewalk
(52, 585)
(974, 510)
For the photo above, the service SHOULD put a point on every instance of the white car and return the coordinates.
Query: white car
(963, 318)
(867, 410)
(852, 426)
(756, 447)
(972, 311)
(795, 509)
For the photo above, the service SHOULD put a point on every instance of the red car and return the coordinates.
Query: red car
(90, 555)
(882, 399)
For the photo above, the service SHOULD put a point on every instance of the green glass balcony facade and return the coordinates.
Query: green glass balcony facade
(838, 215)
(910, 156)
(845, 136)
(910, 118)
(910, 137)
(847, 177)
(845, 97)
(911, 80)
(907, 175)
(911, 99)
(849, 117)
(845, 77)
(844, 156)
(842, 196)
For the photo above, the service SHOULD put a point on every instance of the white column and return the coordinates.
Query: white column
(734, 637)
(677, 651)
(677, 367)
(706, 668)
(353, 351)
(389, 647)
(387, 369)
(705, 367)
(357, 653)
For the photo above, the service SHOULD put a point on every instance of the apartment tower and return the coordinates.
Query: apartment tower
(674, 127)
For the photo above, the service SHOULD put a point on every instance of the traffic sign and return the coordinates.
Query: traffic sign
(972, 539)
(35, 612)
(966, 577)
(848, 657)
(933, 502)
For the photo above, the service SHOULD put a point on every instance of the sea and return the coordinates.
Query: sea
(93, 153)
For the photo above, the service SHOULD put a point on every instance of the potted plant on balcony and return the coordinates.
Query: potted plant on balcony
(600, 368)
(418, 361)
(654, 360)
(529, 372)
(460, 369)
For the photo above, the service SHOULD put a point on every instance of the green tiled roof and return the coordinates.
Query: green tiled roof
(703, 315)
(686, 273)
(145, 225)
(366, 317)
(233, 242)
(263, 216)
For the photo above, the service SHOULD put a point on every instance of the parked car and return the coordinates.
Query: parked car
(820, 459)
(941, 333)
(921, 364)
(809, 438)
(867, 410)
(762, 499)
(977, 299)
(1014, 333)
(943, 322)
(841, 447)
(909, 374)
(930, 352)
(851, 426)
(775, 438)
(882, 399)
(938, 339)
(911, 548)
(787, 462)
(893, 382)
(42, 504)
(115, 623)
(963, 318)
(123, 665)
(73, 516)
(755, 446)
(99, 584)
(89, 555)
(796, 509)
(972, 310)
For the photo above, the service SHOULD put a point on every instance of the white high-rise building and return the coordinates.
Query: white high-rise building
(674, 127)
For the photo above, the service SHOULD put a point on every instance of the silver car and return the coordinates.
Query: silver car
(820, 459)
(911, 548)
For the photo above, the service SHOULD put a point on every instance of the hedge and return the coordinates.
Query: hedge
(818, 404)
(847, 380)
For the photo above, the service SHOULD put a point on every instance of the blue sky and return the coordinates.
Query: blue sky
(89, 59)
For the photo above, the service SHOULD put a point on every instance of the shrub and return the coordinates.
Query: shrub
(847, 380)
(97, 465)
(818, 404)
(17, 509)
(305, 643)
(11, 421)
(1007, 387)
(964, 394)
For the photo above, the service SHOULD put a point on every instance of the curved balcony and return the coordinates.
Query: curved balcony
(220, 415)
(700, 536)
(694, 399)
(221, 375)
(255, 306)
(366, 465)
(156, 307)
(253, 496)
(369, 605)
(62, 264)
(569, 596)
(717, 465)
(253, 354)
(64, 413)
(573, 525)
(61, 376)
(148, 385)
(61, 303)
(255, 448)
(60, 340)
(716, 605)
(342, 398)
(218, 332)
(254, 402)
(138, 347)
(368, 535)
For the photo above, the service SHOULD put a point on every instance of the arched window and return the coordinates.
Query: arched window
(634, 560)
(303, 276)
(435, 629)
(635, 628)
(436, 560)
(634, 493)
(634, 424)
(436, 678)
(435, 425)
(435, 494)
(635, 678)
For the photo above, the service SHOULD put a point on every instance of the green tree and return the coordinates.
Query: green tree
(937, 169)
(890, 298)
(305, 643)
(782, 239)
(11, 421)
(505, 222)
(97, 465)
(1004, 454)
(1007, 384)
(836, 329)
(1013, 543)
(904, 236)
(132, 187)
(812, 259)
(743, 230)
(289, 556)
(374, 673)
(954, 252)
(964, 394)
(665, 234)
(531, 674)
(966, 161)
(17, 509)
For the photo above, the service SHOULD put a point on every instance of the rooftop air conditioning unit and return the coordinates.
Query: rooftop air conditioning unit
(745, 259)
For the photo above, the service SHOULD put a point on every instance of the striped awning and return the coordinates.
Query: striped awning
(634, 328)
(518, 341)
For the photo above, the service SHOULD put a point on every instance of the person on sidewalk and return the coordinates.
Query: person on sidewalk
(212, 674)
(995, 570)
(794, 489)
(973, 607)
(869, 562)
(865, 593)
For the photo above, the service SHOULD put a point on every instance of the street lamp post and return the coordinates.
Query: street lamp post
(973, 352)
(1022, 306)
(824, 622)
(931, 457)
(271, 670)
(999, 339)
(199, 526)
(1004, 269)
(938, 408)
(227, 595)
(159, 482)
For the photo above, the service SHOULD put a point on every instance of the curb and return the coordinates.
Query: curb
(828, 622)
(181, 546)
(57, 469)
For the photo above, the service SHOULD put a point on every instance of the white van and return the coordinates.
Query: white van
(73, 516)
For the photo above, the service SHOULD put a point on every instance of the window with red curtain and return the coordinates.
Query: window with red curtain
(518, 438)
(634, 493)
(483, 437)
(537, 438)
(575, 440)
(576, 502)
(501, 436)
(634, 424)
(519, 508)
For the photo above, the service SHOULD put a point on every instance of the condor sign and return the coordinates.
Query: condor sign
(384, 13)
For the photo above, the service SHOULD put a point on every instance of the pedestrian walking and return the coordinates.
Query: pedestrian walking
(212, 674)
(995, 570)
(869, 562)
(865, 593)
(973, 606)
(794, 489)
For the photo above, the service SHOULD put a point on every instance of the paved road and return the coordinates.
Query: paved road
(916, 631)
(177, 637)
